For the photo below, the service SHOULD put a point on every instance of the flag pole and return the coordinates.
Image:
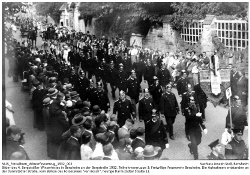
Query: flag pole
(230, 113)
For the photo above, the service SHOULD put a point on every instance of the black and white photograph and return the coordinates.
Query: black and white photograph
(125, 81)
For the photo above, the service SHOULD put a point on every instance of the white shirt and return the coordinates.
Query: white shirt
(98, 150)
(86, 152)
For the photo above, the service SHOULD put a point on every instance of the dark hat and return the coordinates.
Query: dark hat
(99, 83)
(52, 92)
(13, 129)
(46, 101)
(133, 133)
(214, 143)
(67, 96)
(122, 92)
(168, 86)
(132, 71)
(140, 131)
(238, 131)
(112, 62)
(78, 119)
(81, 72)
(96, 109)
(74, 94)
(91, 81)
(86, 104)
(149, 151)
(103, 117)
(120, 64)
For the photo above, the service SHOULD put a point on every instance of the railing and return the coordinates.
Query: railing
(191, 34)
(233, 33)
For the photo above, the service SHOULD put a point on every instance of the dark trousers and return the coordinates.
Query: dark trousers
(113, 89)
(170, 121)
(195, 138)
(49, 140)
(202, 110)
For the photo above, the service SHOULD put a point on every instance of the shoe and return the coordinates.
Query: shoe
(188, 137)
(195, 156)
(189, 145)
(172, 138)
(203, 119)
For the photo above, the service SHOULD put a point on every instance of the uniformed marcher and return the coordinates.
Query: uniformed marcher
(216, 148)
(169, 109)
(90, 91)
(202, 99)
(156, 92)
(101, 98)
(112, 78)
(236, 149)
(133, 86)
(155, 133)
(182, 83)
(124, 109)
(185, 103)
(102, 74)
(146, 105)
(122, 78)
(81, 85)
(194, 123)
(149, 72)
(239, 117)
(164, 75)
(73, 78)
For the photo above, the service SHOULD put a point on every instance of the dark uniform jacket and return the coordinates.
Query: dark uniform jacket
(133, 86)
(239, 117)
(164, 76)
(155, 134)
(211, 156)
(101, 99)
(137, 143)
(122, 80)
(146, 105)
(112, 76)
(182, 85)
(149, 72)
(236, 150)
(201, 96)
(73, 149)
(169, 105)
(125, 109)
(14, 146)
(90, 94)
(233, 82)
(156, 92)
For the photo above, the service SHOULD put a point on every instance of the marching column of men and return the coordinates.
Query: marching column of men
(71, 99)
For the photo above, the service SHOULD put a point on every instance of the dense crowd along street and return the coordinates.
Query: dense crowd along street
(98, 99)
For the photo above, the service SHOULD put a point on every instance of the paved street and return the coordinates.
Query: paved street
(178, 150)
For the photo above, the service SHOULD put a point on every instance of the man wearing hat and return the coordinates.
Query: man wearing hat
(124, 109)
(156, 92)
(101, 98)
(139, 141)
(101, 74)
(127, 64)
(46, 117)
(81, 85)
(164, 75)
(234, 77)
(13, 142)
(202, 99)
(74, 97)
(185, 102)
(155, 132)
(112, 74)
(182, 83)
(216, 151)
(90, 91)
(149, 152)
(149, 73)
(73, 78)
(239, 117)
(146, 105)
(236, 149)
(58, 122)
(122, 78)
(133, 88)
(169, 109)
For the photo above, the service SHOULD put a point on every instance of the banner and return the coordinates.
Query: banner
(225, 75)
(204, 76)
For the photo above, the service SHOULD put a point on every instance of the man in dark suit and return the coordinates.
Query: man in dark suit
(112, 77)
(164, 75)
(202, 99)
(139, 141)
(133, 85)
(155, 132)
(81, 85)
(216, 148)
(156, 92)
(182, 83)
(146, 105)
(234, 77)
(169, 109)
(101, 98)
(185, 104)
(124, 109)
(72, 144)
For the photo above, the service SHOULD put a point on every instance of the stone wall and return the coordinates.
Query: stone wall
(163, 39)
